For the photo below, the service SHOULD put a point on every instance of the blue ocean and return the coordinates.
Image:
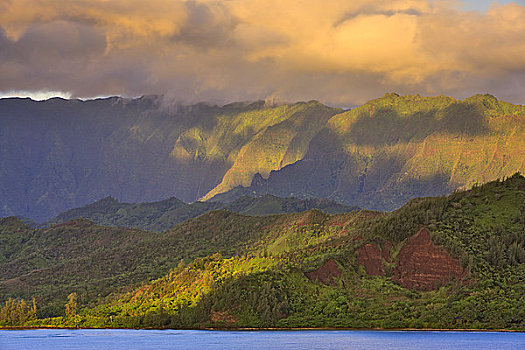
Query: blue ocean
(52, 339)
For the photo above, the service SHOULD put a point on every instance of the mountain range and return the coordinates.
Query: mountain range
(62, 154)
(163, 215)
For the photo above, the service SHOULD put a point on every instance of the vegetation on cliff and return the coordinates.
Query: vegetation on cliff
(394, 148)
(61, 154)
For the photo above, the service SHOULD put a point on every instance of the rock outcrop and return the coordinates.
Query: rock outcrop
(424, 266)
(325, 273)
(369, 256)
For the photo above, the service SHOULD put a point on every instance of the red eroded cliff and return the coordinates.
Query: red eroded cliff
(369, 256)
(424, 266)
(325, 273)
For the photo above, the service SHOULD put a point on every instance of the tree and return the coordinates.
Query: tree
(17, 312)
(32, 311)
(71, 306)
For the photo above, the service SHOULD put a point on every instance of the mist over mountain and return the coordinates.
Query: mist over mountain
(61, 154)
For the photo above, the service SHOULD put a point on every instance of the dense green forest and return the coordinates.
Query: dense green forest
(442, 262)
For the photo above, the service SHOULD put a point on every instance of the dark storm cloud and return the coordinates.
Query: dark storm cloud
(374, 12)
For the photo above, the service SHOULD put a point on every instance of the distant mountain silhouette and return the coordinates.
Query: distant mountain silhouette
(163, 215)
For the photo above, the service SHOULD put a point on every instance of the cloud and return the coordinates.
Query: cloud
(340, 52)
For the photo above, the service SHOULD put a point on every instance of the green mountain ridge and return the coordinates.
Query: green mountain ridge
(440, 262)
(61, 154)
(163, 215)
(379, 155)
(98, 260)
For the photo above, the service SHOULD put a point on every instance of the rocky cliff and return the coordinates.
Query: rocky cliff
(420, 264)
(61, 154)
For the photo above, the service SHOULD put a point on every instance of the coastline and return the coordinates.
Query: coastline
(272, 329)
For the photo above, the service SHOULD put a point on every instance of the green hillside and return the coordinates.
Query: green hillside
(442, 262)
(95, 261)
(156, 216)
(163, 215)
(271, 205)
(392, 149)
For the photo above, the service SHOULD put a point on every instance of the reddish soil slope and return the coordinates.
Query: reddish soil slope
(369, 256)
(325, 273)
(223, 317)
(424, 266)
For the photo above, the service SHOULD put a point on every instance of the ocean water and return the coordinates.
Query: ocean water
(53, 339)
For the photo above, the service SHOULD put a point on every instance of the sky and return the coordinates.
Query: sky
(339, 52)
(484, 5)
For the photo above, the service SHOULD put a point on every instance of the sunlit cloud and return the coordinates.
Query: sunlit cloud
(339, 52)
(35, 95)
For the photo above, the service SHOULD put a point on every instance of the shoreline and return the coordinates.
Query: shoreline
(270, 329)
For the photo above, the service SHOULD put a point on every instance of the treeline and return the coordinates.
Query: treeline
(16, 312)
